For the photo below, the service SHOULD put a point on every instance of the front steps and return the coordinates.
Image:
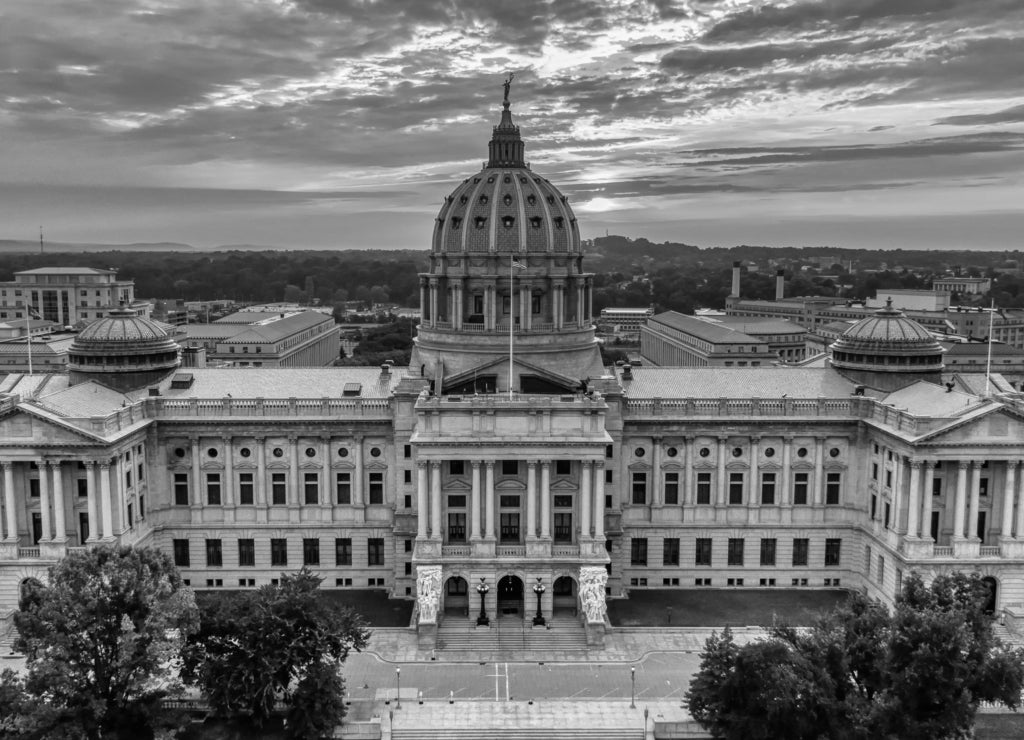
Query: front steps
(512, 637)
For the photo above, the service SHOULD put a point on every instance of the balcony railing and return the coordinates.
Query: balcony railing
(988, 551)
(565, 551)
(456, 551)
(28, 552)
(511, 551)
(943, 551)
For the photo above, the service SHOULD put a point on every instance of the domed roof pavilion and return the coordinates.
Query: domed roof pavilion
(123, 351)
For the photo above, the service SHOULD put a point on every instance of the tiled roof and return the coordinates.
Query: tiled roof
(756, 327)
(701, 329)
(927, 399)
(307, 382)
(683, 382)
(83, 400)
(66, 271)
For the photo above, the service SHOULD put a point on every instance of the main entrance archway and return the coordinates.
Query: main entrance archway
(510, 595)
(564, 594)
(456, 597)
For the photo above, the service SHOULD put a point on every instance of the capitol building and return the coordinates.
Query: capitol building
(506, 456)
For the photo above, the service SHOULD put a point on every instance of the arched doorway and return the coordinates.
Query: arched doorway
(456, 597)
(510, 595)
(564, 593)
(993, 587)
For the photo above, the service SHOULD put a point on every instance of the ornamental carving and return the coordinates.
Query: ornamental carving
(592, 585)
(428, 592)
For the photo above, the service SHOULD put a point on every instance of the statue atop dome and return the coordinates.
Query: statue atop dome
(508, 86)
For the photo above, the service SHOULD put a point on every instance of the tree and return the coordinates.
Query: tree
(282, 643)
(101, 641)
(919, 672)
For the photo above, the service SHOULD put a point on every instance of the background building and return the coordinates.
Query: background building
(268, 339)
(67, 295)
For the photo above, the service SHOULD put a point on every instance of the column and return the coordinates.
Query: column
(105, 511)
(586, 493)
(1009, 489)
(556, 305)
(357, 474)
(897, 493)
(433, 301)
(90, 492)
(424, 302)
(787, 462)
(960, 512)
(689, 499)
(914, 499)
(489, 498)
(545, 499)
(590, 301)
(1020, 511)
(228, 485)
(44, 500)
(599, 500)
(531, 499)
(422, 510)
(972, 518)
(261, 471)
(12, 519)
(325, 450)
(196, 496)
(435, 499)
(926, 495)
(579, 303)
(720, 499)
(819, 471)
(60, 533)
(474, 502)
(656, 493)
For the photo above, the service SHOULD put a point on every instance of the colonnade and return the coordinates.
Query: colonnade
(53, 501)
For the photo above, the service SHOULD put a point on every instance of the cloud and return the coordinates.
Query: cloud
(1014, 114)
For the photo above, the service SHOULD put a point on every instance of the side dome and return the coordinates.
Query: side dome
(123, 351)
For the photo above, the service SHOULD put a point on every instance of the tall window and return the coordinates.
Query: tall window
(213, 554)
(456, 467)
(563, 467)
(311, 488)
(247, 553)
(246, 489)
(279, 488)
(181, 558)
(671, 488)
(344, 481)
(800, 489)
(735, 488)
(509, 526)
(311, 551)
(375, 551)
(735, 551)
(767, 489)
(563, 526)
(800, 546)
(640, 488)
(832, 551)
(376, 488)
(638, 551)
(833, 482)
(279, 552)
(670, 551)
(703, 556)
(181, 489)
(768, 551)
(343, 551)
(456, 526)
(510, 467)
(213, 489)
(704, 488)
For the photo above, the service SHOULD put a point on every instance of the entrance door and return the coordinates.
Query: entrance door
(510, 595)
(83, 527)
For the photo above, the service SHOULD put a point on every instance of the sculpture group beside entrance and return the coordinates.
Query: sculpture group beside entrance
(428, 592)
(592, 588)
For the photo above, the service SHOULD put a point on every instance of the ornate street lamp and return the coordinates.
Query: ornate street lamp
(538, 588)
(398, 688)
(632, 688)
(482, 588)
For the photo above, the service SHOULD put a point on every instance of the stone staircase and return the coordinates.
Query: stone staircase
(511, 635)
(1008, 637)
(8, 633)
(521, 733)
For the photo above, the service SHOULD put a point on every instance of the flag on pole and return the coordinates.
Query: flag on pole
(518, 265)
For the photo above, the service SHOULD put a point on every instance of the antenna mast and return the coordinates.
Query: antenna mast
(40, 239)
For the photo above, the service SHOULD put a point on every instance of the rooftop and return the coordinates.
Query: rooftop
(701, 329)
(771, 382)
(66, 271)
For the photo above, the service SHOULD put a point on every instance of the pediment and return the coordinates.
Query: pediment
(457, 485)
(212, 465)
(563, 484)
(278, 465)
(998, 426)
(26, 429)
(376, 466)
(510, 485)
(640, 466)
(309, 465)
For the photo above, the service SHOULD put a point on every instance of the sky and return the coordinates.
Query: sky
(344, 123)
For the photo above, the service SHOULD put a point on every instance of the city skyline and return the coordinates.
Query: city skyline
(847, 123)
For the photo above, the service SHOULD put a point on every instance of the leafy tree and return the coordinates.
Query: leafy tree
(101, 641)
(282, 643)
(917, 673)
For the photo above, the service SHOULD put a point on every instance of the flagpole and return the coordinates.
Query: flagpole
(511, 320)
(988, 363)
(28, 334)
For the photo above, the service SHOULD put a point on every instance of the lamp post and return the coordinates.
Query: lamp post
(632, 689)
(538, 588)
(482, 588)
(398, 688)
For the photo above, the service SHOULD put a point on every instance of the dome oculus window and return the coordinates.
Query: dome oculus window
(535, 221)
(508, 221)
(507, 179)
(464, 199)
(375, 452)
(245, 452)
(639, 452)
(342, 452)
(671, 452)
(531, 199)
(278, 452)
(737, 451)
(769, 452)
(483, 199)
(480, 221)
(213, 452)
(522, 179)
(490, 179)
(456, 223)
(705, 451)
(559, 222)
(310, 452)
(179, 452)
(507, 200)
(551, 199)
(802, 452)
(834, 452)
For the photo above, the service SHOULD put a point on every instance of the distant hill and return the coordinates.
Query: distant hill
(22, 246)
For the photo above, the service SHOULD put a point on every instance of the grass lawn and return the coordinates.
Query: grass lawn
(720, 607)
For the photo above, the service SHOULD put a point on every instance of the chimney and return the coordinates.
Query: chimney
(780, 284)
(735, 280)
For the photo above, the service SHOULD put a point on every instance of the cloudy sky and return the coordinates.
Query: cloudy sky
(343, 123)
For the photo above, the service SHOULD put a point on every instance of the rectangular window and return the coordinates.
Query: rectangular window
(246, 489)
(703, 556)
(767, 489)
(735, 551)
(456, 467)
(279, 552)
(888, 479)
(344, 481)
(509, 526)
(407, 451)
(375, 551)
(704, 488)
(983, 486)
(638, 551)
(407, 476)
(510, 467)
(563, 467)
(671, 488)
(735, 488)
(311, 488)
(640, 488)
(833, 483)
(181, 489)
(874, 471)
(343, 551)
(563, 526)
(279, 488)
(213, 489)
(214, 558)
(670, 551)
(247, 553)
(563, 501)
(800, 489)
(832, 547)
(82, 485)
(936, 486)
(768, 551)
(800, 547)
(181, 557)
(457, 502)
(311, 551)
(376, 488)
(456, 527)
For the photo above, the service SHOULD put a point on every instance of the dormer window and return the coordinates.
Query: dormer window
(464, 200)
(522, 179)
(507, 179)
(559, 222)
(456, 223)
(531, 199)
(551, 199)
(508, 221)
(490, 179)
(507, 200)
(535, 221)
(480, 222)
(483, 200)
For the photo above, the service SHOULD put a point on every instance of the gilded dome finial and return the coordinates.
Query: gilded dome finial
(508, 86)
